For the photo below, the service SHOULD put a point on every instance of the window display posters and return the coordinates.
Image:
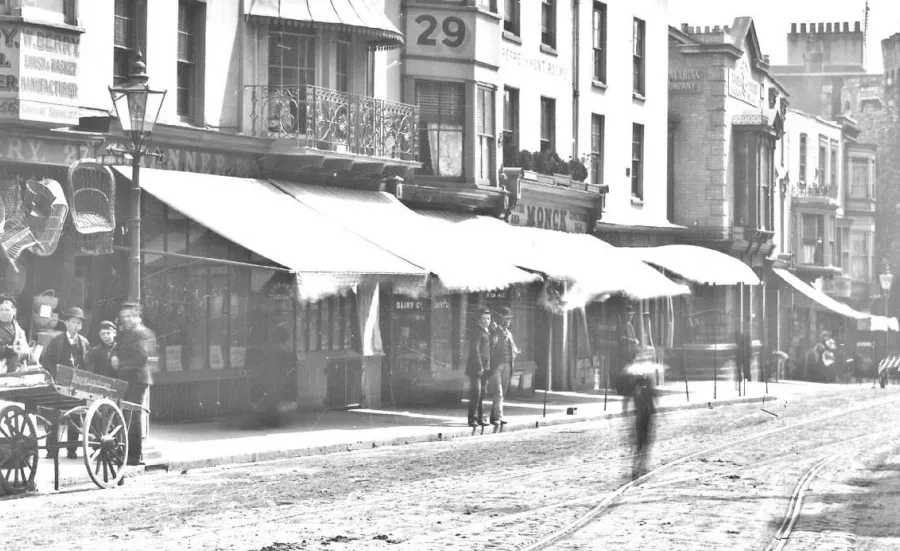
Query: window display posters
(173, 358)
(411, 335)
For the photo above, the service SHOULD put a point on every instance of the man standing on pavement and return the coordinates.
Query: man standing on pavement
(503, 352)
(477, 366)
(644, 408)
(626, 345)
(13, 344)
(69, 349)
(104, 350)
(137, 344)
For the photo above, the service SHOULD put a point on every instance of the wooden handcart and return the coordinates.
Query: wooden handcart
(92, 404)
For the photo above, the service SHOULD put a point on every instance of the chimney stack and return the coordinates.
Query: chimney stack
(828, 27)
(727, 29)
(856, 27)
(802, 28)
(793, 28)
(821, 28)
(716, 29)
(707, 30)
(846, 27)
(684, 27)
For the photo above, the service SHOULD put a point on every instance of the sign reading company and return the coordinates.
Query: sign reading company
(686, 81)
(549, 218)
(39, 74)
(741, 84)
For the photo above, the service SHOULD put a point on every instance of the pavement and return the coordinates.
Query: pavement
(186, 446)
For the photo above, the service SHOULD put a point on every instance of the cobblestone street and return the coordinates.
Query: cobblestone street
(509, 491)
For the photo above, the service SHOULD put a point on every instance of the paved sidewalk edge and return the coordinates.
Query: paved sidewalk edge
(451, 434)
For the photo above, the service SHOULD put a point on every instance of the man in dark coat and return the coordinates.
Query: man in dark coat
(13, 344)
(70, 349)
(131, 361)
(626, 348)
(103, 352)
(478, 364)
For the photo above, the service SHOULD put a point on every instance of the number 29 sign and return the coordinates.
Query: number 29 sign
(435, 34)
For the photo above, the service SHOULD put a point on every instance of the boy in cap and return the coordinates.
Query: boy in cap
(104, 350)
(13, 344)
(137, 344)
(70, 349)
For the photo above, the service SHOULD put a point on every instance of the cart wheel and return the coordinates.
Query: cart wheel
(18, 450)
(105, 442)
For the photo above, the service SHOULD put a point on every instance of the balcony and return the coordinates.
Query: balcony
(838, 287)
(816, 195)
(324, 125)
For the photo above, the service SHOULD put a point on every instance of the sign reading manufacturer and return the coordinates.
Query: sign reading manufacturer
(741, 84)
(549, 218)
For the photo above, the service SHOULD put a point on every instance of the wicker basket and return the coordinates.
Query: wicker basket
(48, 216)
(94, 244)
(92, 188)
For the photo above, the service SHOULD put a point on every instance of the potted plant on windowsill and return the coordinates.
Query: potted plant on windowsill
(546, 167)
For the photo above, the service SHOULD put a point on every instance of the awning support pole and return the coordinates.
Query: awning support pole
(549, 360)
(134, 227)
(687, 393)
(715, 355)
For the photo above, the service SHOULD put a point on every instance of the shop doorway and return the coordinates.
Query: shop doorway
(344, 383)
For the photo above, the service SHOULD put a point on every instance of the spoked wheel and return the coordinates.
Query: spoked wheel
(105, 442)
(18, 450)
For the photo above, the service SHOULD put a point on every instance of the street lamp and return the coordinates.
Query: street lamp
(137, 108)
(886, 279)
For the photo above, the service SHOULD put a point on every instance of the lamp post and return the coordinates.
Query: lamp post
(886, 279)
(137, 108)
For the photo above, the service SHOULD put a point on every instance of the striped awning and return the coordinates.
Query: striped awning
(355, 16)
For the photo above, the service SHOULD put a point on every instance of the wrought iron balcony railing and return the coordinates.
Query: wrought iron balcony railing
(815, 190)
(329, 120)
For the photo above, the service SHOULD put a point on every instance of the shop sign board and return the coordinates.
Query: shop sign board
(39, 74)
(33, 150)
(741, 84)
(686, 81)
(752, 119)
(549, 218)
(540, 66)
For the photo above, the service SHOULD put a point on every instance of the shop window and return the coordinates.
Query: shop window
(637, 56)
(548, 125)
(343, 63)
(442, 331)
(706, 315)
(191, 25)
(548, 23)
(598, 126)
(801, 177)
(510, 126)
(442, 115)
(859, 267)
(485, 129)
(411, 326)
(637, 161)
(859, 178)
(812, 241)
(129, 35)
(598, 39)
(511, 14)
(292, 67)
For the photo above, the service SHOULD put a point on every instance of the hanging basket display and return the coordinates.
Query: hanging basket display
(48, 210)
(94, 244)
(92, 188)
(15, 237)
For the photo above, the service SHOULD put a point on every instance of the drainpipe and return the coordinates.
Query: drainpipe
(576, 55)
(242, 22)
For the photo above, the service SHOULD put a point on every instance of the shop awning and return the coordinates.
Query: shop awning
(355, 16)
(461, 264)
(257, 216)
(593, 267)
(882, 323)
(817, 296)
(697, 264)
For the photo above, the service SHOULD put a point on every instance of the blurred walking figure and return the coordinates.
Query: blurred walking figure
(644, 408)
(478, 365)
(627, 348)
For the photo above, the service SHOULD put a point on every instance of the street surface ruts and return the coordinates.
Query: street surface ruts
(490, 492)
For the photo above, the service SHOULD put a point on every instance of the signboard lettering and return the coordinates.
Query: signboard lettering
(753, 119)
(540, 65)
(439, 35)
(685, 81)
(741, 84)
(549, 218)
